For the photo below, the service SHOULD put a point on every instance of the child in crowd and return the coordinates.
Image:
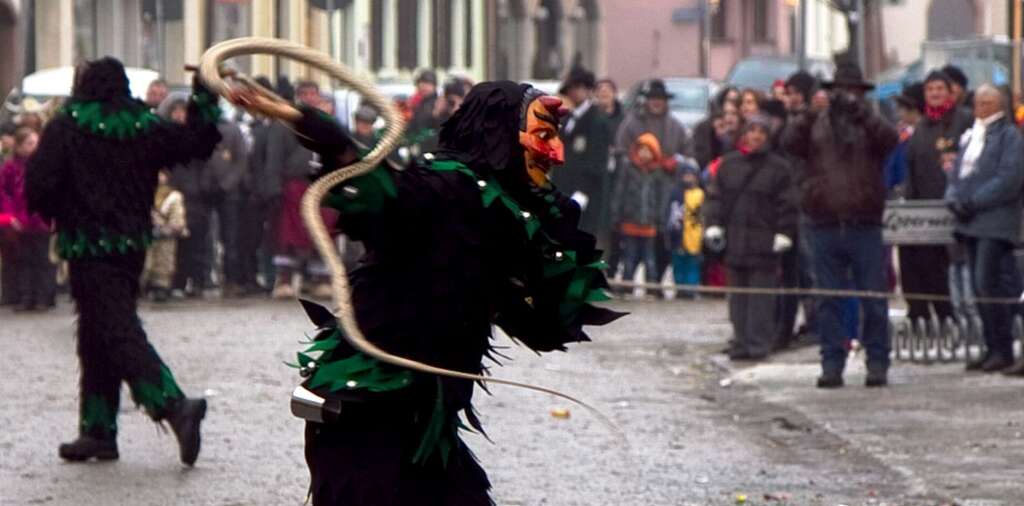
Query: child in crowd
(27, 253)
(168, 226)
(637, 206)
(686, 228)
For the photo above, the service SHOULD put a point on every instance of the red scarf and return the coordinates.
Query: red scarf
(936, 113)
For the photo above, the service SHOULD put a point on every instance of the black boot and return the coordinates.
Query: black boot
(87, 447)
(184, 418)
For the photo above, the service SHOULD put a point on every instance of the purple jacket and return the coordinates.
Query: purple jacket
(12, 197)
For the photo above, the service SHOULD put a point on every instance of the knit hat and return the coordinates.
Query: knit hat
(803, 82)
(956, 75)
(756, 121)
(938, 75)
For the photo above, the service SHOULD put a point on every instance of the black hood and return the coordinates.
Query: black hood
(484, 132)
(101, 80)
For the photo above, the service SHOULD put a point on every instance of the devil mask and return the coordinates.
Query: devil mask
(538, 134)
(508, 128)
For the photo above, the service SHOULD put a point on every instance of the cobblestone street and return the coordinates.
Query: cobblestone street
(699, 433)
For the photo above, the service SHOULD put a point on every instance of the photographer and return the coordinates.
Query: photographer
(843, 143)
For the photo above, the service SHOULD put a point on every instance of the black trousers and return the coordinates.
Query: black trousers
(112, 346)
(195, 252)
(36, 276)
(752, 316)
(8, 272)
(925, 269)
(253, 234)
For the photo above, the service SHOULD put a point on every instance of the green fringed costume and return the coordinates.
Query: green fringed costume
(456, 243)
(95, 174)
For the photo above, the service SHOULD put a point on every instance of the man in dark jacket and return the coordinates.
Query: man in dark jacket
(930, 152)
(587, 140)
(984, 194)
(843, 143)
(262, 191)
(752, 206)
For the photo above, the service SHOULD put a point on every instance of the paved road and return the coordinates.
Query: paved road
(768, 437)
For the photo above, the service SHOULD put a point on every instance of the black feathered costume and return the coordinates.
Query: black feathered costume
(456, 243)
(95, 174)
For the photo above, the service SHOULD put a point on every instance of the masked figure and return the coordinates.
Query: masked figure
(469, 237)
(95, 174)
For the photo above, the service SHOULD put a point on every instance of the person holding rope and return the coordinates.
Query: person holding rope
(843, 143)
(471, 236)
(95, 174)
(984, 194)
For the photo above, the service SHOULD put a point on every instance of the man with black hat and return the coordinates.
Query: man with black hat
(930, 154)
(587, 140)
(655, 118)
(843, 143)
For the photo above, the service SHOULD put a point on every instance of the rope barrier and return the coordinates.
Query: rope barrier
(811, 292)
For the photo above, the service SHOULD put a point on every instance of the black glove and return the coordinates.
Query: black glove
(961, 210)
(322, 134)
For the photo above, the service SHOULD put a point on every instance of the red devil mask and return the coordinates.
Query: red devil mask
(538, 134)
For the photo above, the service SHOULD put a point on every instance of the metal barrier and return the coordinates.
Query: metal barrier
(930, 341)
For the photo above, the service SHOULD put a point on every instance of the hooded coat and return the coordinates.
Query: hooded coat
(95, 171)
(454, 245)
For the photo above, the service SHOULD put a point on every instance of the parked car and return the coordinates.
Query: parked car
(759, 72)
(690, 105)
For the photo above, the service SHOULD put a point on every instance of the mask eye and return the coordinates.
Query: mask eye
(544, 135)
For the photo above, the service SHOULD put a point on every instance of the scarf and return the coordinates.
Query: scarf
(936, 113)
(975, 138)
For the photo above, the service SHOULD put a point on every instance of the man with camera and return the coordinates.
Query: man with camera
(843, 143)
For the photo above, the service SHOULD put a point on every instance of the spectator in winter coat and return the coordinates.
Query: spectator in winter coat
(930, 155)
(584, 175)
(707, 143)
(289, 166)
(958, 86)
(637, 206)
(34, 274)
(984, 194)
(752, 213)
(261, 195)
(909, 111)
(843, 143)
(685, 227)
(169, 225)
(655, 118)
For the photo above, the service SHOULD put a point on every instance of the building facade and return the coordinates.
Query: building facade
(11, 48)
(390, 39)
(386, 39)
